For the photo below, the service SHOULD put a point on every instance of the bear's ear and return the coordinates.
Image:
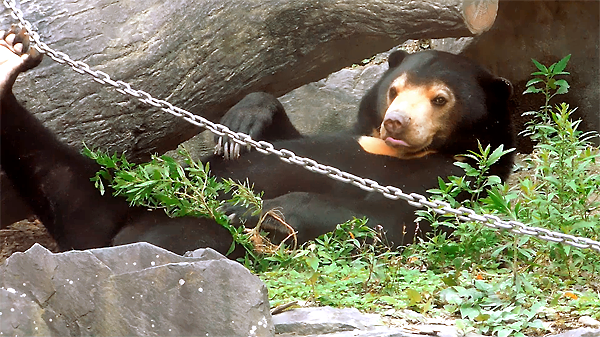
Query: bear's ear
(501, 88)
(396, 58)
(507, 86)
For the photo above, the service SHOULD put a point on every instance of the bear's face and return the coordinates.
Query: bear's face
(415, 114)
(431, 99)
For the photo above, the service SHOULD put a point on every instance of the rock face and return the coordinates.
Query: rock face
(325, 320)
(132, 290)
(332, 322)
(546, 31)
(331, 104)
(581, 332)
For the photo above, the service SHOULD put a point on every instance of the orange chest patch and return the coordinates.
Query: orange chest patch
(378, 146)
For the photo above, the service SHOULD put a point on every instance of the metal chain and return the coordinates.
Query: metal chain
(287, 156)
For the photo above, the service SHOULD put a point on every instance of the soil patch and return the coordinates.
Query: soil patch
(21, 235)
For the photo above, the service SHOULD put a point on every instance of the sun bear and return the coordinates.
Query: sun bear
(427, 108)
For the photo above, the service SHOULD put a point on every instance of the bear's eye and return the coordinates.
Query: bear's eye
(392, 93)
(439, 101)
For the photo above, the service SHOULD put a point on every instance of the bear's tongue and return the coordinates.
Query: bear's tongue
(396, 142)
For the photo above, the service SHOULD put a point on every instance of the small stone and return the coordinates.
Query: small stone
(411, 316)
(548, 313)
(588, 321)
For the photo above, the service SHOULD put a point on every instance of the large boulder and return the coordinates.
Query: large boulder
(132, 290)
(546, 31)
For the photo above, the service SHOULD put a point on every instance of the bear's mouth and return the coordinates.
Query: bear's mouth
(403, 145)
(396, 142)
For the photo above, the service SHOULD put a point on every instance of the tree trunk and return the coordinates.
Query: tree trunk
(205, 55)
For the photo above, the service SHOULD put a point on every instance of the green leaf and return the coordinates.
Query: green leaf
(493, 180)
(503, 332)
(482, 317)
(497, 154)
(450, 281)
(469, 311)
(451, 296)
(583, 224)
(552, 179)
(414, 296)
(537, 324)
(482, 285)
(313, 262)
(561, 65)
(563, 87)
(532, 90)
(535, 308)
(99, 184)
(540, 66)
(533, 81)
(469, 170)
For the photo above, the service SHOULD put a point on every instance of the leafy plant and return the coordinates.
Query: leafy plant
(496, 282)
(546, 84)
(560, 193)
(180, 191)
(479, 302)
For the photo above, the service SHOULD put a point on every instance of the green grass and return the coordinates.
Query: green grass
(492, 282)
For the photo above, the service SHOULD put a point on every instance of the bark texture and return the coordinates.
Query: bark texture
(204, 55)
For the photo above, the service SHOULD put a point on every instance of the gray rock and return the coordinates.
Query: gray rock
(546, 31)
(581, 332)
(132, 290)
(378, 332)
(331, 322)
(323, 320)
(451, 45)
(331, 104)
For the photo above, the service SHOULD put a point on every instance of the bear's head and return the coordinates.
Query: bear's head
(435, 102)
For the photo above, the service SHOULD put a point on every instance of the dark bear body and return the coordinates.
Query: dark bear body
(426, 109)
(55, 179)
(313, 203)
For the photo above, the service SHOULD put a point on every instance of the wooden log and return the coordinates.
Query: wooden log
(203, 56)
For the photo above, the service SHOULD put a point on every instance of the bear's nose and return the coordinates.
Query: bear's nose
(395, 123)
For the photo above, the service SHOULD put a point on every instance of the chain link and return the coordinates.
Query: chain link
(391, 192)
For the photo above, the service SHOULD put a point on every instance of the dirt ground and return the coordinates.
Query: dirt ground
(21, 235)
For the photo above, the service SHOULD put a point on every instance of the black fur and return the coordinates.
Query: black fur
(313, 204)
(55, 179)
